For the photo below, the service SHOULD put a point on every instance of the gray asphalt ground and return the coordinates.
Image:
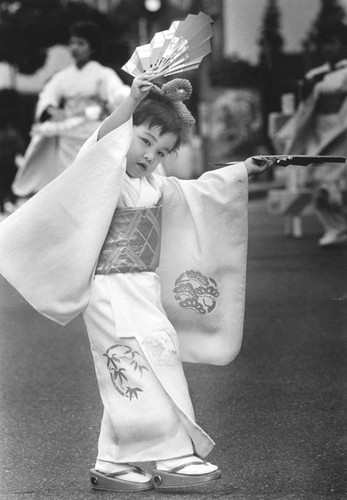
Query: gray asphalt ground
(277, 413)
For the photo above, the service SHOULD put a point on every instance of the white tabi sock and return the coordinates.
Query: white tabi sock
(111, 468)
(203, 468)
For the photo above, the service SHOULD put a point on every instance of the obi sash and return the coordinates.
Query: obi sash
(133, 241)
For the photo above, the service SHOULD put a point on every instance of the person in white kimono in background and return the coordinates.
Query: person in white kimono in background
(319, 127)
(94, 234)
(70, 107)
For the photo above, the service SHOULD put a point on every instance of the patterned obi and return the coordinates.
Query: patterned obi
(330, 102)
(133, 241)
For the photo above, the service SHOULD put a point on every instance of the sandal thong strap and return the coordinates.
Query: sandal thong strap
(182, 466)
(131, 468)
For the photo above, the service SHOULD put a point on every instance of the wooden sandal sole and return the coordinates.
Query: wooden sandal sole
(164, 479)
(101, 481)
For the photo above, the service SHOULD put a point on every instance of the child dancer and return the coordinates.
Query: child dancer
(95, 250)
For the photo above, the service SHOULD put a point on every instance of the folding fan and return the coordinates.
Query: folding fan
(180, 48)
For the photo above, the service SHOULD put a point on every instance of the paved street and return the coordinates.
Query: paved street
(277, 413)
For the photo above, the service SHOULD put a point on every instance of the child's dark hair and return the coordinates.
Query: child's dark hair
(156, 111)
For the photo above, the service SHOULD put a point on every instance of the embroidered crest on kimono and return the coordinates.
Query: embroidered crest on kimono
(195, 291)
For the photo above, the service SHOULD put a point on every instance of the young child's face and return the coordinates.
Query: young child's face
(148, 147)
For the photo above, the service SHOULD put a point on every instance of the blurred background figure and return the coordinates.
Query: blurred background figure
(319, 127)
(70, 107)
(187, 163)
(11, 145)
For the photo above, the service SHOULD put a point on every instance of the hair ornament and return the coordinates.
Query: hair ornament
(176, 91)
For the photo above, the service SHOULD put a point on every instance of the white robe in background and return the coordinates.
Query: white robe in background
(54, 145)
(319, 127)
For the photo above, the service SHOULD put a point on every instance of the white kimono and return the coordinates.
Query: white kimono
(319, 127)
(141, 325)
(54, 145)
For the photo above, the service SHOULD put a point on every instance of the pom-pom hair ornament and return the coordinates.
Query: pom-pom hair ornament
(180, 48)
(176, 91)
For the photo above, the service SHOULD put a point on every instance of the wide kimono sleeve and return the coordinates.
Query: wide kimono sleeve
(203, 262)
(113, 89)
(297, 133)
(50, 94)
(50, 246)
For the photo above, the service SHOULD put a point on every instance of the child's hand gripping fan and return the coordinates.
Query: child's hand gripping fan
(259, 164)
(180, 48)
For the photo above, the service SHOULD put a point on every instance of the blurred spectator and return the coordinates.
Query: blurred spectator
(187, 162)
(235, 124)
(70, 107)
(319, 127)
(11, 145)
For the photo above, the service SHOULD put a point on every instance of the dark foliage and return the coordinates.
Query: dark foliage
(330, 22)
(29, 27)
(270, 41)
(234, 72)
(330, 19)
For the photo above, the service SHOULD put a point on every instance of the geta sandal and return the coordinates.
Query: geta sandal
(173, 479)
(113, 482)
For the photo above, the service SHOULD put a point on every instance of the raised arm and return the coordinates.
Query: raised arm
(49, 96)
(139, 89)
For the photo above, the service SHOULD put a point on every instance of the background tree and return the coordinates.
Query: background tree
(28, 28)
(22, 26)
(271, 47)
(330, 16)
(234, 72)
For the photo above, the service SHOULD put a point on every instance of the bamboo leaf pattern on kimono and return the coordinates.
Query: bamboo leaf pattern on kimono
(132, 392)
(119, 356)
(137, 366)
